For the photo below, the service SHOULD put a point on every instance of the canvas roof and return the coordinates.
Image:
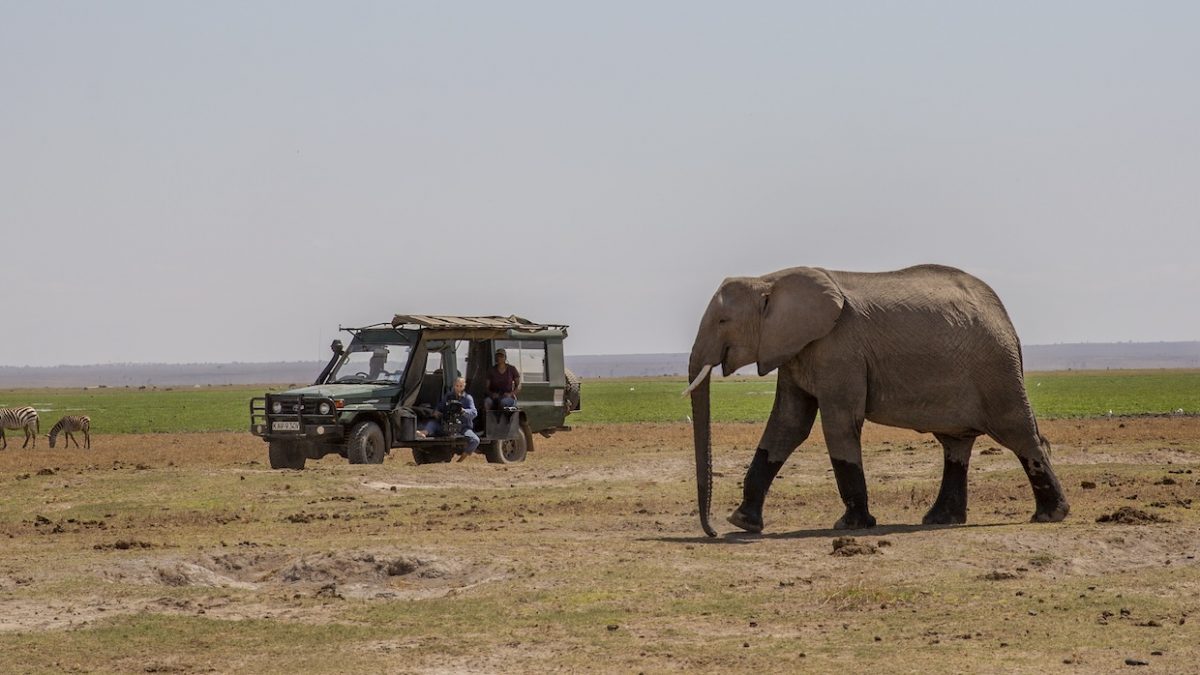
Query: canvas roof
(486, 323)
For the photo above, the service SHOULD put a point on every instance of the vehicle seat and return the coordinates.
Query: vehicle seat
(431, 391)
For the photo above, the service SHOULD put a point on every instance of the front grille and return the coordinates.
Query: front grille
(305, 407)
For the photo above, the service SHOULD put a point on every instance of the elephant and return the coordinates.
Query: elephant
(929, 348)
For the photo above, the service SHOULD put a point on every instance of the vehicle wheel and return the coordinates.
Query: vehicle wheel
(366, 444)
(432, 455)
(511, 451)
(571, 397)
(286, 455)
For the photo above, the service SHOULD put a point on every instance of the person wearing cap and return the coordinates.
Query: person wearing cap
(503, 384)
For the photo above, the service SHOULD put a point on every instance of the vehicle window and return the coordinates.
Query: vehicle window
(528, 356)
(462, 351)
(383, 364)
(433, 362)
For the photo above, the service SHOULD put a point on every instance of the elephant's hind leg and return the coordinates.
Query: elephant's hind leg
(843, 436)
(950, 507)
(1034, 452)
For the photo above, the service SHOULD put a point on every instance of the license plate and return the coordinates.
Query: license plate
(285, 426)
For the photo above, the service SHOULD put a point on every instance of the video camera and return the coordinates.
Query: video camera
(452, 419)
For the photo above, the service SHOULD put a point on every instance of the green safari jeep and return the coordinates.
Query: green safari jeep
(377, 393)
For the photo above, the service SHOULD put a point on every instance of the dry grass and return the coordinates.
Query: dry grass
(182, 553)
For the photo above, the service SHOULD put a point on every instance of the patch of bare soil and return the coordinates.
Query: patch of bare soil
(18, 614)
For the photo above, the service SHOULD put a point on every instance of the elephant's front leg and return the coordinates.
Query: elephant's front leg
(950, 507)
(843, 436)
(790, 423)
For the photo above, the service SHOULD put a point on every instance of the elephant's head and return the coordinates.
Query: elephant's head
(765, 320)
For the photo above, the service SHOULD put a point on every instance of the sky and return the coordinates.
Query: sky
(231, 181)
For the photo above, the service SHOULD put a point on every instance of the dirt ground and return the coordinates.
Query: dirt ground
(184, 553)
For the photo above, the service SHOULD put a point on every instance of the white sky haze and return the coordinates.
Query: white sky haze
(223, 181)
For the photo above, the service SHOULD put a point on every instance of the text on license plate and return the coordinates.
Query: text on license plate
(285, 426)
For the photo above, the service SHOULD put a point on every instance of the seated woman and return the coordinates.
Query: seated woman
(503, 384)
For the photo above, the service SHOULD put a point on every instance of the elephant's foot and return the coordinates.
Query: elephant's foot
(746, 520)
(1051, 514)
(943, 518)
(940, 514)
(855, 520)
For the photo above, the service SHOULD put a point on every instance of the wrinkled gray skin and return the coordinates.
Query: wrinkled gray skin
(929, 348)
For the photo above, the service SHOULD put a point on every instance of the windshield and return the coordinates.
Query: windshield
(375, 364)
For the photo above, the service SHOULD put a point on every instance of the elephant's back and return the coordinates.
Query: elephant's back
(932, 333)
(945, 294)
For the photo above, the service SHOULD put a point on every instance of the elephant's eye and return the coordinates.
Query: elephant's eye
(721, 321)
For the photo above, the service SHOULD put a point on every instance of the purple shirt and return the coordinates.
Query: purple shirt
(503, 383)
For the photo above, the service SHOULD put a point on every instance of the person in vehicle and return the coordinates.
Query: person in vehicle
(457, 394)
(503, 384)
(376, 367)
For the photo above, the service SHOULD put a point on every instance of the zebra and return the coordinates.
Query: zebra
(25, 418)
(71, 423)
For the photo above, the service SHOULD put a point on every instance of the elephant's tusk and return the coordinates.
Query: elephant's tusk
(696, 382)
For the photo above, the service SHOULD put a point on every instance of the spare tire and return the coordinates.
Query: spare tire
(571, 397)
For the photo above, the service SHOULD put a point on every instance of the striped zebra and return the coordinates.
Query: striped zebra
(71, 423)
(25, 418)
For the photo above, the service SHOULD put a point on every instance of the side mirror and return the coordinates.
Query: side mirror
(336, 347)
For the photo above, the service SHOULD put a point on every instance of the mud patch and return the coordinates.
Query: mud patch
(174, 573)
(332, 574)
(1127, 515)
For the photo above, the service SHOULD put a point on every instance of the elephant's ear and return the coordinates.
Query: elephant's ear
(802, 304)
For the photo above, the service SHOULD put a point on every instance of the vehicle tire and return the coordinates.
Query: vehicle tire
(286, 455)
(366, 444)
(511, 451)
(432, 455)
(571, 397)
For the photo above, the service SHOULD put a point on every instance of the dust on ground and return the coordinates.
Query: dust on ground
(184, 552)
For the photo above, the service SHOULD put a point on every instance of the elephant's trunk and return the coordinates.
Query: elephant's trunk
(702, 433)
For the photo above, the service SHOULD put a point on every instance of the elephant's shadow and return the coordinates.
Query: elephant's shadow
(736, 537)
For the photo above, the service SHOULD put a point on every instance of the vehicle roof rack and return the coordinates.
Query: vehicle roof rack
(501, 323)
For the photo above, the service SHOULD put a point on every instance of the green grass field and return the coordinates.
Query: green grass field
(739, 399)
(1053, 395)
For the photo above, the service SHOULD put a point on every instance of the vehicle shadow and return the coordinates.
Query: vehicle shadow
(738, 537)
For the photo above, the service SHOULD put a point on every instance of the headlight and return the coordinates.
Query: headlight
(277, 407)
(323, 408)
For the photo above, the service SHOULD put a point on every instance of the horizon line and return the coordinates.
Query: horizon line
(306, 361)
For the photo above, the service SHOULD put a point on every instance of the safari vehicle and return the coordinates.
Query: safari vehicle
(375, 394)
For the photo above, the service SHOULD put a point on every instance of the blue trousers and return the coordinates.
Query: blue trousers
(434, 428)
(505, 402)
